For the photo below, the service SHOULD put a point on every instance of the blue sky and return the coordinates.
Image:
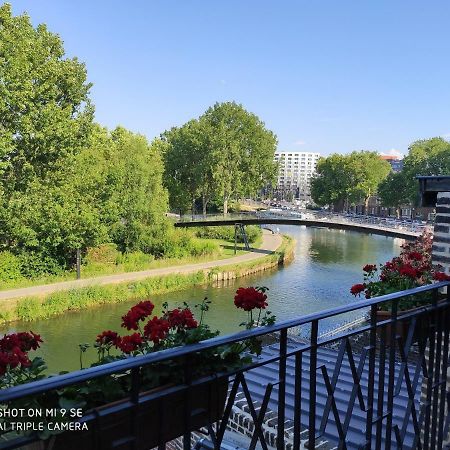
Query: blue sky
(324, 75)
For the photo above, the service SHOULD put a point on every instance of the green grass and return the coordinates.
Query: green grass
(32, 308)
(95, 269)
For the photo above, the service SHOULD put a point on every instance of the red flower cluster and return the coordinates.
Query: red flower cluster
(181, 319)
(408, 271)
(14, 350)
(369, 268)
(411, 268)
(441, 276)
(415, 256)
(139, 312)
(130, 344)
(156, 330)
(356, 289)
(250, 298)
(108, 337)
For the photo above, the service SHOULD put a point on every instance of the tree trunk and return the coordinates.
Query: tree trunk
(225, 205)
(193, 208)
(204, 204)
(397, 212)
(338, 205)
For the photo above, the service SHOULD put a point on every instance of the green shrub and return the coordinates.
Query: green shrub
(178, 243)
(202, 248)
(104, 254)
(227, 233)
(134, 260)
(34, 265)
(10, 267)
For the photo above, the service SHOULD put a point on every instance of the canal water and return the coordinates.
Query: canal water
(327, 263)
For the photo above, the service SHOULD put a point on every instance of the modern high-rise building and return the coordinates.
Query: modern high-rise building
(295, 170)
(395, 162)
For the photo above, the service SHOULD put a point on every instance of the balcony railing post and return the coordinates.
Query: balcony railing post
(381, 376)
(371, 380)
(444, 375)
(391, 379)
(298, 400)
(313, 384)
(187, 403)
(282, 389)
(429, 383)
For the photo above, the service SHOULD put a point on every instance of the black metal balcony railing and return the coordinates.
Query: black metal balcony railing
(383, 385)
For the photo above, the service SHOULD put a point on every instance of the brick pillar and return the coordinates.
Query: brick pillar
(441, 240)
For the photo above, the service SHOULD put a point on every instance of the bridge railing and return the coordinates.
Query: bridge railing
(380, 385)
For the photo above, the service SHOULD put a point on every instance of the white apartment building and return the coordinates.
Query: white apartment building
(295, 172)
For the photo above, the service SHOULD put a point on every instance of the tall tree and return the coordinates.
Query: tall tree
(332, 181)
(343, 179)
(393, 191)
(242, 148)
(44, 105)
(189, 165)
(425, 157)
(368, 171)
(138, 198)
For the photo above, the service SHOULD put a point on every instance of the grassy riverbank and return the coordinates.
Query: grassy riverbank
(107, 260)
(31, 308)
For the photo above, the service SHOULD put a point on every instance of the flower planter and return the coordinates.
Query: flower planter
(401, 327)
(151, 422)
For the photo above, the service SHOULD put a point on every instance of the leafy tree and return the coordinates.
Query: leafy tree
(138, 198)
(393, 191)
(332, 181)
(44, 105)
(242, 149)
(425, 157)
(189, 165)
(341, 179)
(368, 171)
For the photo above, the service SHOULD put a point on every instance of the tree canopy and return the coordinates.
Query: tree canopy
(348, 178)
(65, 182)
(425, 157)
(227, 153)
(44, 104)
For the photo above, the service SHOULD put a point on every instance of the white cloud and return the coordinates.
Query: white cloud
(393, 152)
(299, 143)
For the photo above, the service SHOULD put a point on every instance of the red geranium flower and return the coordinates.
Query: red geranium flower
(137, 313)
(250, 298)
(107, 337)
(408, 271)
(24, 341)
(129, 344)
(156, 329)
(356, 289)
(416, 256)
(181, 319)
(369, 268)
(441, 276)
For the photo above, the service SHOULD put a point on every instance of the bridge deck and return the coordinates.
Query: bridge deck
(325, 223)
